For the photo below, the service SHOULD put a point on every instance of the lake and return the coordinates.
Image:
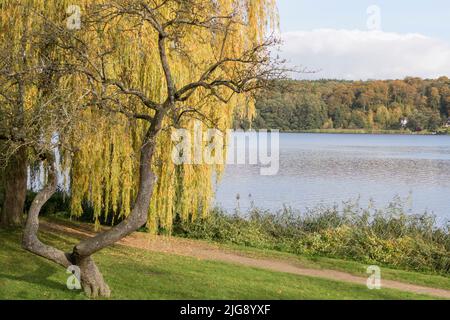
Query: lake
(328, 169)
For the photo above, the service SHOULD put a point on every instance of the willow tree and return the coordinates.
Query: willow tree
(14, 93)
(34, 99)
(143, 68)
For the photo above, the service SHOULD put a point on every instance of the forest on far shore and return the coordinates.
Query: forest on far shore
(332, 104)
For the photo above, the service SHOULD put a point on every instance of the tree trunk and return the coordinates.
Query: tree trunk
(139, 212)
(15, 190)
(91, 279)
(30, 239)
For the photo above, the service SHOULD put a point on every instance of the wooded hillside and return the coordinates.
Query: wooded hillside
(327, 104)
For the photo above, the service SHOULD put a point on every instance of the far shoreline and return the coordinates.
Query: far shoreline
(368, 132)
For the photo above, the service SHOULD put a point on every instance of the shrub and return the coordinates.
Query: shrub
(388, 237)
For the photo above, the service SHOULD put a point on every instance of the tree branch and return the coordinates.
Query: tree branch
(30, 239)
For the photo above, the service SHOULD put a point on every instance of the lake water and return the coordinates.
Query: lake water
(328, 169)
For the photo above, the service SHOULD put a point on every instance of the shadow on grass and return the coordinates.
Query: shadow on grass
(39, 276)
(22, 266)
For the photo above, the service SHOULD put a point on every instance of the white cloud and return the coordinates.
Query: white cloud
(356, 54)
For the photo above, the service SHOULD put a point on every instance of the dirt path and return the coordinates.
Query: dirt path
(206, 251)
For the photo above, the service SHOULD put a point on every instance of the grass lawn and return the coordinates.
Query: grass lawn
(139, 274)
(352, 267)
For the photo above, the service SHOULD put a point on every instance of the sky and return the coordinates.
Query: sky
(360, 39)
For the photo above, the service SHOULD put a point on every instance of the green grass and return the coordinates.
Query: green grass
(352, 267)
(139, 274)
(428, 279)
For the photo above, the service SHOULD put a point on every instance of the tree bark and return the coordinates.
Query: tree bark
(92, 280)
(30, 240)
(15, 190)
(139, 212)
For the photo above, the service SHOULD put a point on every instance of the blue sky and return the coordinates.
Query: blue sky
(413, 29)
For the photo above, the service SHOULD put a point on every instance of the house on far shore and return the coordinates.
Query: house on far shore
(404, 122)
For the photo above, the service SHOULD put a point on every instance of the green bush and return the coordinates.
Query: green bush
(59, 203)
(387, 237)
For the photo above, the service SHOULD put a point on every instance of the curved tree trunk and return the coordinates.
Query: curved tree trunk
(91, 279)
(15, 179)
(30, 239)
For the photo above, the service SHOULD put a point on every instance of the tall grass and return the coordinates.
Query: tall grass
(388, 236)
